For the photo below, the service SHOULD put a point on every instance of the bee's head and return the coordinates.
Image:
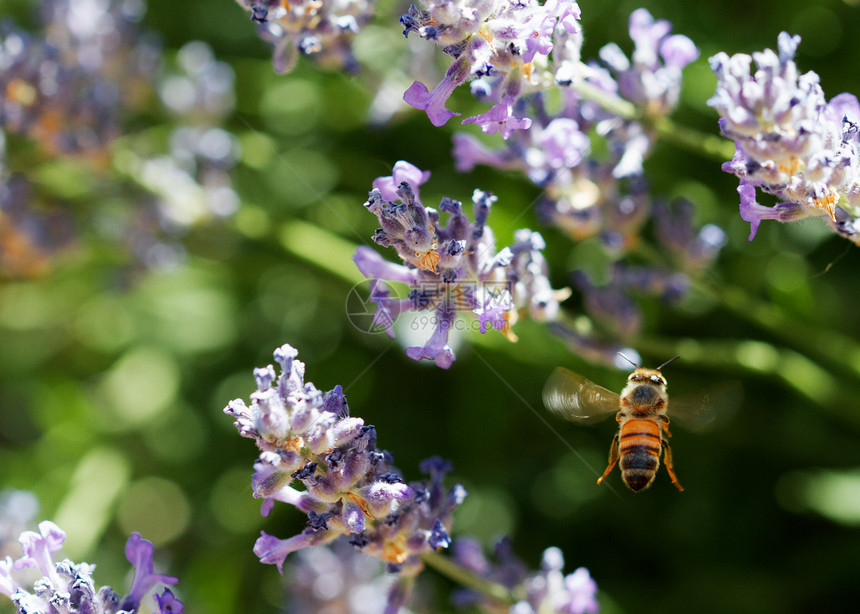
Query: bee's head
(647, 376)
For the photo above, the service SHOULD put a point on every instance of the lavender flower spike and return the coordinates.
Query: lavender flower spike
(452, 269)
(68, 587)
(308, 439)
(789, 141)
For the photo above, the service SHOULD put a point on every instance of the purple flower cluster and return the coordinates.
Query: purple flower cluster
(651, 78)
(68, 587)
(322, 29)
(307, 438)
(502, 47)
(548, 590)
(605, 195)
(790, 142)
(450, 268)
(66, 88)
(585, 194)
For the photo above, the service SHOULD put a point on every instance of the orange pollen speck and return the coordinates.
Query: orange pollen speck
(487, 36)
(506, 330)
(429, 260)
(828, 203)
(359, 502)
(295, 444)
(791, 167)
(394, 552)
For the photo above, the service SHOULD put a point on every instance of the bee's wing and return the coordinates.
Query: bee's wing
(702, 411)
(574, 397)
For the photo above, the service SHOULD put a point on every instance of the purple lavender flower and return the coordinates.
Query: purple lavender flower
(503, 47)
(433, 103)
(322, 29)
(168, 603)
(68, 587)
(600, 192)
(451, 268)
(350, 487)
(789, 141)
(139, 552)
(499, 119)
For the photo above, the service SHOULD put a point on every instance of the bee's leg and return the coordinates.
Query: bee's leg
(613, 458)
(670, 467)
(665, 424)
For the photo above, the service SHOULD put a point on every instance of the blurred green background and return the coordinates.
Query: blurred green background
(112, 384)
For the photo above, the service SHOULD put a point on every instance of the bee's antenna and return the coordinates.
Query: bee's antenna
(630, 361)
(667, 362)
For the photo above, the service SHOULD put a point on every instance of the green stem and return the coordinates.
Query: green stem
(610, 102)
(701, 142)
(795, 370)
(469, 579)
(321, 248)
(827, 346)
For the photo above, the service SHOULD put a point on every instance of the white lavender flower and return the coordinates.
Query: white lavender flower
(338, 579)
(545, 591)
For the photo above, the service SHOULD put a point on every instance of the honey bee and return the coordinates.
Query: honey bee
(640, 410)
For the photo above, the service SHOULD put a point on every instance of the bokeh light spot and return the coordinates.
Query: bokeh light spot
(141, 385)
(156, 508)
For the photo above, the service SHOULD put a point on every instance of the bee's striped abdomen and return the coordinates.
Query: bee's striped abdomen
(639, 443)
